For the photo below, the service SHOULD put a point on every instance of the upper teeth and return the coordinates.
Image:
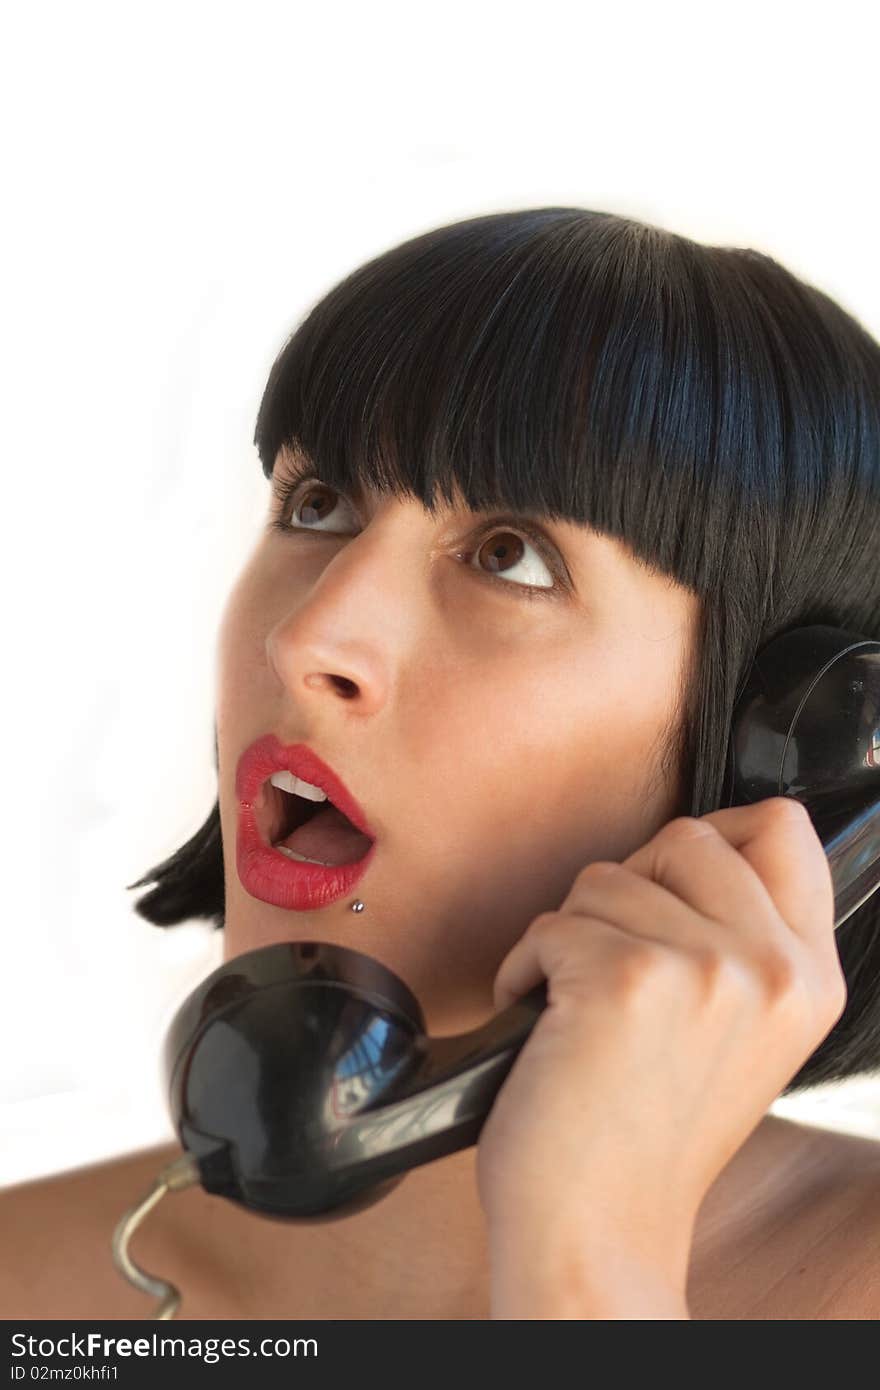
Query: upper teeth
(288, 783)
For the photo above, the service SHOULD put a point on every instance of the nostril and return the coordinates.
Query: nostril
(347, 687)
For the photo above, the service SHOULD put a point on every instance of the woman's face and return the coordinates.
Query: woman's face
(498, 733)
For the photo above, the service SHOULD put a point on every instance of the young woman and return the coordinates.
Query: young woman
(542, 484)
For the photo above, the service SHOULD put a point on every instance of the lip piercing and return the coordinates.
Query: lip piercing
(357, 906)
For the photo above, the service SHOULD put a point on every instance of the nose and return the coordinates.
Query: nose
(338, 636)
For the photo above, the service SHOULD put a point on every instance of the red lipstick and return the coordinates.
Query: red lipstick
(264, 872)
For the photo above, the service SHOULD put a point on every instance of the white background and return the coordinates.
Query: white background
(181, 183)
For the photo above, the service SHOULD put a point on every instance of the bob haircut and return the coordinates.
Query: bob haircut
(700, 403)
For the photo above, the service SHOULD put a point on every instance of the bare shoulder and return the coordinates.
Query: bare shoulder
(807, 1246)
(855, 1291)
(56, 1257)
(835, 1270)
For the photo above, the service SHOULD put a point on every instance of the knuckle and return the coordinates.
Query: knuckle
(770, 976)
(833, 993)
(544, 922)
(597, 869)
(711, 971)
(781, 979)
(722, 978)
(684, 828)
(635, 969)
(785, 810)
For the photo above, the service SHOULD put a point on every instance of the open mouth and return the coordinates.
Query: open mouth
(308, 831)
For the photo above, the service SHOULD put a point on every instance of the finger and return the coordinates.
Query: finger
(783, 847)
(556, 950)
(702, 871)
(610, 908)
(778, 841)
(642, 907)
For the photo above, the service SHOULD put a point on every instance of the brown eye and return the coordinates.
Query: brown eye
(501, 550)
(504, 552)
(307, 506)
(315, 504)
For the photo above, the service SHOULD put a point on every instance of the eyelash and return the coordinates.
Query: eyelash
(286, 489)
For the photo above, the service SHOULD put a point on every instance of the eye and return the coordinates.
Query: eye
(503, 552)
(315, 505)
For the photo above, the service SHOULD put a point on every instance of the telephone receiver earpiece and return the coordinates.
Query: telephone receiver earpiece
(300, 1075)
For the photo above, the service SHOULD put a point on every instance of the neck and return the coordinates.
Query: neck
(421, 1251)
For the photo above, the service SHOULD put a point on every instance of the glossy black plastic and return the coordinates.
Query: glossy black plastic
(300, 1076)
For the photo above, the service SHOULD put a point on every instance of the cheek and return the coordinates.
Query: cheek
(510, 741)
(240, 640)
(570, 759)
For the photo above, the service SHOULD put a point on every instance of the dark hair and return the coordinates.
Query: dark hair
(700, 403)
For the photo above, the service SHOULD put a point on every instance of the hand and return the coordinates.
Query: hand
(685, 987)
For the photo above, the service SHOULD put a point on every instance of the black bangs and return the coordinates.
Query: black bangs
(582, 366)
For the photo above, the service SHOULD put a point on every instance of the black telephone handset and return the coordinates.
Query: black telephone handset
(301, 1082)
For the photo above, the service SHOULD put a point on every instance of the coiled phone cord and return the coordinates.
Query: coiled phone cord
(183, 1172)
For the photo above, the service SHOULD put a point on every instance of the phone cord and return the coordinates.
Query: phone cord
(183, 1172)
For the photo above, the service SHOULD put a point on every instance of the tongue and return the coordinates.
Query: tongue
(329, 836)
